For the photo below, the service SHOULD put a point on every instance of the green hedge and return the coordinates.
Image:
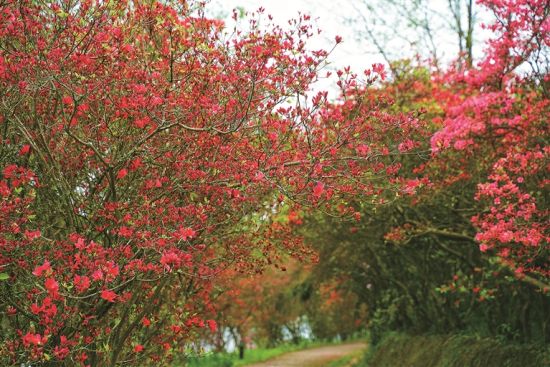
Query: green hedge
(454, 351)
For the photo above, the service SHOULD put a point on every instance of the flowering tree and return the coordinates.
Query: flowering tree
(497, 128)
(143, 151)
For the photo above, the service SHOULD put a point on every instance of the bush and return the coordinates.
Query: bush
(453, 351)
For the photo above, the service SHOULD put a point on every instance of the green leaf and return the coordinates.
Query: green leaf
(4, 276)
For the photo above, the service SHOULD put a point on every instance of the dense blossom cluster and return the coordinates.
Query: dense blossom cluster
(500, 125)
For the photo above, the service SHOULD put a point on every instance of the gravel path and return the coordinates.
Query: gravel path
(315, 357)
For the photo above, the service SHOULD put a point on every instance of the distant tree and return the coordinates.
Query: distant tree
(405, 29)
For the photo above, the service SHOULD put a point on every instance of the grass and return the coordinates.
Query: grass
(250, 356)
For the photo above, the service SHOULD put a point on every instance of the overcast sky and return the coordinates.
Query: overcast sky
(333, 16)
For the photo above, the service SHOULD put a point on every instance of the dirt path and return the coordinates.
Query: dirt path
(315, 357)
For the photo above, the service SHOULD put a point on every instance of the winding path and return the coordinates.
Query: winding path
(314, 357)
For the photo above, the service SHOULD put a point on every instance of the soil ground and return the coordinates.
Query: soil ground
(315, 357)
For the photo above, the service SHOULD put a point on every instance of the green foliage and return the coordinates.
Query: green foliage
(432, 280)
(413, 263)
(222, 360)
(453, 351)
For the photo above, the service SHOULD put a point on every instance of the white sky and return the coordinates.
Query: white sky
(330, 16)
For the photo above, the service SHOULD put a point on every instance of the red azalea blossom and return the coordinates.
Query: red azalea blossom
(33, 339)
(108, 295)
(31, 235)
(212, 325)
(25, 149)
(82, 283)
(45, 269)
(122, 173)
(318, 189)
(145, 322)
(51, 286)
(184, 233)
